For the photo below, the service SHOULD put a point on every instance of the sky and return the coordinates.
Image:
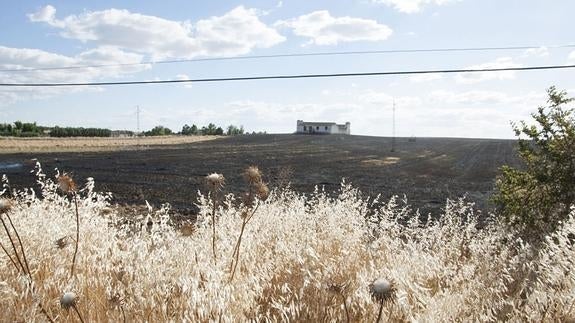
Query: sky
(40, 34)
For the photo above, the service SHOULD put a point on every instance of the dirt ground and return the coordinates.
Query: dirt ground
(427, 170)
(78, 144)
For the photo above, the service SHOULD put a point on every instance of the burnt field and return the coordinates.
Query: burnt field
(427, 171)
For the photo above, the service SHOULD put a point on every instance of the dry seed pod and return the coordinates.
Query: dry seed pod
(215, 182)
(382, 290)
(5, 205)
(68, 300)
(66, 184)
(187, 229)
(263, 191)
(62, 242)
(253, 175)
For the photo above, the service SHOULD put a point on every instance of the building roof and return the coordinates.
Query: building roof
(307, 123)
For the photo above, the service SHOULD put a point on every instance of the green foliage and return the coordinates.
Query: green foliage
(234, 130)
(20, 129)
(79, 132)
(187, 130)
(537, 198)
(158, 131)
(212, 130)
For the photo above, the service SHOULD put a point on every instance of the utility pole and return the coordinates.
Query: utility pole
(138, 126)
(138, 119)
(393, 129)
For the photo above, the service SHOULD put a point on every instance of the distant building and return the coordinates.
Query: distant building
(327, 128)
(122, 133)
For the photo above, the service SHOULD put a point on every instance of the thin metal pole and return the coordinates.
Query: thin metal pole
(393, 129)
(138, 126)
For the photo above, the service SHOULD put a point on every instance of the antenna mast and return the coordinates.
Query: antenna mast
(393, 129)
(138, 119)
(138, 126)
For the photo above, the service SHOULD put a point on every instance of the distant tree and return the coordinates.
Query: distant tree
(158, 131)
(6, 129)
(219, 131)
(209, 130)
(20, 129)
(186, 130)
(234, 131)
(29, 127)
(538, 198)
(79, 132)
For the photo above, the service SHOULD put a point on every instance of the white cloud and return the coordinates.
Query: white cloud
(386, 99)
(324, 29)
(412, 6)
(571, 57)
(476, 77)
(425, 78)
(26, 58)
(537, 52)
(236, 32)
(187, 85)
(45, 14)
(471, 97)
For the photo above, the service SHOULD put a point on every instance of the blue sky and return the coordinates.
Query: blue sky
(63, 33)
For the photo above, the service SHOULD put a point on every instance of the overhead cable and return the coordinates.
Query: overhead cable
(295, 76)
(253, 57)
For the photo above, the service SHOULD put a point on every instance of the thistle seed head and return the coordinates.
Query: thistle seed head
(66, 184)
(116, 300)
(253, 175)
(263, 191)
(68, 300)
(5, 205)
(187, 229)
(215, 182)
(382, 290)
(337, 288)
(62, 242)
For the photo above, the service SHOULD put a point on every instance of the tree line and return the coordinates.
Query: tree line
(193, 130)
(31, 129)
(20, 129)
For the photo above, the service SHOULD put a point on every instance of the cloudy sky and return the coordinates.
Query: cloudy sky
(74, 33)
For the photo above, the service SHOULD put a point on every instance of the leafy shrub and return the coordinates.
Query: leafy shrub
(187, 130)
(158, 131)
(538, 198)
(212, 130)
(79, 132)
(234, 130)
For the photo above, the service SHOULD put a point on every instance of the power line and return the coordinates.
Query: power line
(297, 76)
(391, 51)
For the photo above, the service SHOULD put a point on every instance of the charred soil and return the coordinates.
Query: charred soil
(427, 170)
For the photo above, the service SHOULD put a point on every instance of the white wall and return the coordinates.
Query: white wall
(320, 128)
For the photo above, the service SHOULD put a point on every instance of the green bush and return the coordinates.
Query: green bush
(158, 131)
(537, 198)
(79, 132)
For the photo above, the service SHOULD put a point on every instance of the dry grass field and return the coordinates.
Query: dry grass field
(83, 144)
(285, 257)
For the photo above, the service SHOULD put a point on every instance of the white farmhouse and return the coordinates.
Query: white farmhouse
(322, 128)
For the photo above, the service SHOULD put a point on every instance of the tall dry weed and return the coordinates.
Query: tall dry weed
(303, 258)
